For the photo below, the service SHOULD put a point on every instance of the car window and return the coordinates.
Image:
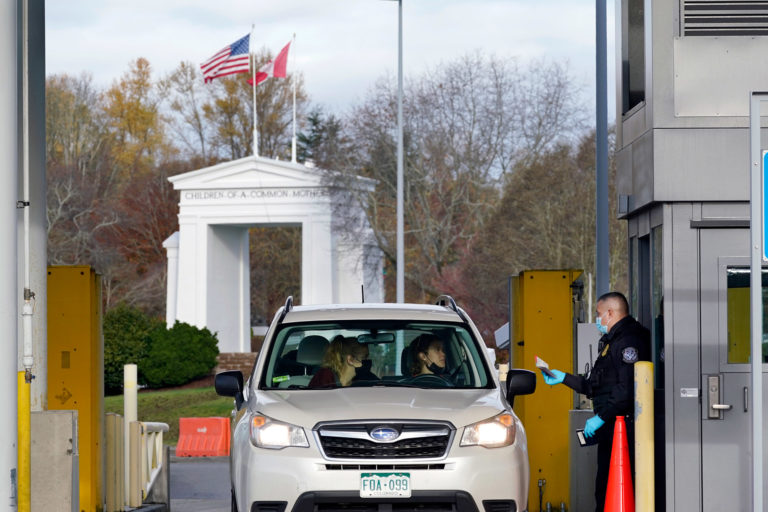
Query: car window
(385, 349)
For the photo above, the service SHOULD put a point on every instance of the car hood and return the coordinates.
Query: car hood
(308, 407)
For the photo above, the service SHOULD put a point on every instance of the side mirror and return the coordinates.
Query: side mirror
(230, 383)
(520, 382)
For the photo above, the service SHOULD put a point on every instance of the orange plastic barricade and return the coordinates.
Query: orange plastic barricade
(203, 437)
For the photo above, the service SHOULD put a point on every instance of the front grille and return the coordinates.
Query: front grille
(344, 448)
(383, 467)
(415, 440)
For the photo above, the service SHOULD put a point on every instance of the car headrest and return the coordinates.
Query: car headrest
(405, 361)
(311, 350)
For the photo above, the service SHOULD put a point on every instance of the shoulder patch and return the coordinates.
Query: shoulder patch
(629, 355)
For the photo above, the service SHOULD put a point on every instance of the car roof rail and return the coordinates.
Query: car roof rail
(286, 308)
(447, 301)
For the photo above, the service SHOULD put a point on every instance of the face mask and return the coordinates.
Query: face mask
(435, 369)
(601, 327)
(367, 364)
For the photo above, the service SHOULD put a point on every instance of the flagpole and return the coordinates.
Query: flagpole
(293, 77)
(253, 60)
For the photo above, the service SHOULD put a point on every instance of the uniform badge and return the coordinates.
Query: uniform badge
(629, 355)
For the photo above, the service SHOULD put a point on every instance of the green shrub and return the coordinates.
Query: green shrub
(126, 340)
(179, 355)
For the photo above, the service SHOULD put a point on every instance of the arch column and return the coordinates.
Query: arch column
(317, 269)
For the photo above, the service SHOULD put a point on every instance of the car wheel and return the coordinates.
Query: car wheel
(234, 502)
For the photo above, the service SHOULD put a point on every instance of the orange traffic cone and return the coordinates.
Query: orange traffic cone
(619, 496)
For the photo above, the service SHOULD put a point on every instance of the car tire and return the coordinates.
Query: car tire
(234, 502)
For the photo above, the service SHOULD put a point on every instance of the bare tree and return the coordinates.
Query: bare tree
(546, 220)
(80, 177)
(215, 121)
(468, 125)
(185, 94)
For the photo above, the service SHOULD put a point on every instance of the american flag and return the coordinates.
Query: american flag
(227, 61)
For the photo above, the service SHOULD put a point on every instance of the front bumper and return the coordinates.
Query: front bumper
(486, 479)
(420, 501)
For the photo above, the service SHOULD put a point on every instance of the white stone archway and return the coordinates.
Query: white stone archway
(208, 258)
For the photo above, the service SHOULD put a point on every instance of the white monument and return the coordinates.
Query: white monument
(208, 258)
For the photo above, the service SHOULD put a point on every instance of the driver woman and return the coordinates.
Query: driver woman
(340, 361)
(428, 355)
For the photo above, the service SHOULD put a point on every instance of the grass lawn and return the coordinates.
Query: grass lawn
(169, 406)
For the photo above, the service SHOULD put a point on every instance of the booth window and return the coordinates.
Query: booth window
(632, 54)
(657, 305)
(738, 315)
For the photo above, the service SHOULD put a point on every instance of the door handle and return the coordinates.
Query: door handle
(715, 410)
(746, 399)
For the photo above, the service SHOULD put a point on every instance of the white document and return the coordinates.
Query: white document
(544, 367)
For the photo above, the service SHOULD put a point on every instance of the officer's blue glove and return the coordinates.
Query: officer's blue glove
(557, 379)
(592, 424)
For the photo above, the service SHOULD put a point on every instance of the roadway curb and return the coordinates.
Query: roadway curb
(152, 507)
(174, 458)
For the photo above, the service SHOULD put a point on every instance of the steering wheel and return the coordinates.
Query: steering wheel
(431, 379)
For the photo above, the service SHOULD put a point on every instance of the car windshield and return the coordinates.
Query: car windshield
(375, 353)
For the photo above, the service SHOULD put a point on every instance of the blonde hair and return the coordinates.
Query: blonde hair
(336, 355)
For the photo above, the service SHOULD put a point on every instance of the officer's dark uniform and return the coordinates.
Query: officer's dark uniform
(611, 385)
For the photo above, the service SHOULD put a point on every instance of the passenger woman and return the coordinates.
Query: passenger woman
(341, 359)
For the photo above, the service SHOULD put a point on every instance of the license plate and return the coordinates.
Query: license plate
(385, 485)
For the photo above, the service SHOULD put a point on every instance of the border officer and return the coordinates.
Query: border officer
(610, 384)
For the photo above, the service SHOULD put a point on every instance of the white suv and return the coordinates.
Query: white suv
(389, 440)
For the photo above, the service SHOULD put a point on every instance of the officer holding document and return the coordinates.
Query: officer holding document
(610, 384)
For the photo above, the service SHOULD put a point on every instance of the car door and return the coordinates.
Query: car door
(726, 408)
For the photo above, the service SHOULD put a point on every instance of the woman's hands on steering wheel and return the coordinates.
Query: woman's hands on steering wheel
(425, 378)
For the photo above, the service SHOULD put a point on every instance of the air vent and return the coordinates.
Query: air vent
(725, 18)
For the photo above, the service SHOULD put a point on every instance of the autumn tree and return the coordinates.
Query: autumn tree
(275, 254)
(133, 118)
(147, 211)
(103, 156)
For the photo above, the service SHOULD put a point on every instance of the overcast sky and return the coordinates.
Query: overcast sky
(342, 46)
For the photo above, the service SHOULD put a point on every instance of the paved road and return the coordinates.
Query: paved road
(200, 484)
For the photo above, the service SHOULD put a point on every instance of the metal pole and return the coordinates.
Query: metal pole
(38, 235)
(511, 315)
(755, 294)
(293, 79)
(251, 46)
(400, 222)
(9, 300)
(601, 148)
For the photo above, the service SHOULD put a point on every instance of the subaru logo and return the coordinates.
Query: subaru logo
(384, 434)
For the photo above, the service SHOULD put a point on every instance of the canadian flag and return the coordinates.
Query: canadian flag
(276, 67)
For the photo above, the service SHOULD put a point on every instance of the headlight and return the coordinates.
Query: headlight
(492, 433)
(269, 433)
